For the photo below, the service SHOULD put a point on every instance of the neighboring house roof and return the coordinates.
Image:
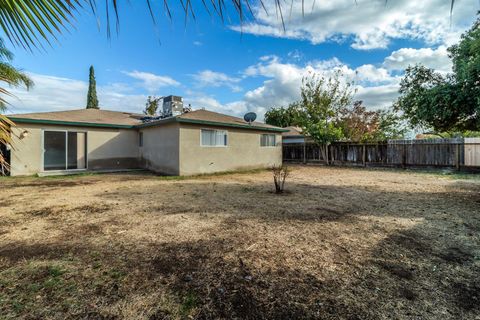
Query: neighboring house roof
(293, 132)
(116, 119)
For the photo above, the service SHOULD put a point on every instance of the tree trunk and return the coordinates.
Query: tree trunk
(324, 152)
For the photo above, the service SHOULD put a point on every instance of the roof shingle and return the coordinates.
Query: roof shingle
(86, 116)
(210, 116)
(293, 132)
(95, 117)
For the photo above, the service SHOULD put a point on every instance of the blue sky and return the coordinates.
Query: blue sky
(230, 68)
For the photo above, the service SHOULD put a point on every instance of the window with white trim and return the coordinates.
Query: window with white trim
(214, 138)
(268, 140)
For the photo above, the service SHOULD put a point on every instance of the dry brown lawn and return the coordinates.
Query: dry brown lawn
(339, 244)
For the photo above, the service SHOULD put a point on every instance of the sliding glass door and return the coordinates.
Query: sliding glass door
(55, 152)
(64, 150)
(76, 150)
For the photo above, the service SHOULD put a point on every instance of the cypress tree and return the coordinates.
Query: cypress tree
(92, 101)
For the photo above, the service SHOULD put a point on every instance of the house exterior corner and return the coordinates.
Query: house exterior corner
(242, 151)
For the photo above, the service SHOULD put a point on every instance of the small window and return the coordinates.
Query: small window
(214, 138)
(140, 139)
(267, 140)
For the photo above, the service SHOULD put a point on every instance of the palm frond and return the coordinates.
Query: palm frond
(14, 77)
(30, 23)
(10, 75)
(5, 139)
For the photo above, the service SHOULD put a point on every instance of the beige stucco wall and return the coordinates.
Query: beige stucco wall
(106, 148)
(243, 151)
(168, 149)
(26, 153)
(160, 149)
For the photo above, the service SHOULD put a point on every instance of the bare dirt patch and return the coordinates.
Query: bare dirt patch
(339, 244)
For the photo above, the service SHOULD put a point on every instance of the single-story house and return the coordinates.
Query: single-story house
(293, 135)
(194, 142)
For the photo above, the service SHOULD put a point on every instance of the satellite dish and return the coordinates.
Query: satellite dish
(250, 117)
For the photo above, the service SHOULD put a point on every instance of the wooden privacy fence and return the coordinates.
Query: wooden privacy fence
(455, 153)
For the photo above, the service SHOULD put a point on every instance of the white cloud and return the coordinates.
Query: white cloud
(199, 100)
(433, 58)
(56, 93)
(376, 86)
(377, 97)
(209, 78)
(367, 24)
(283, 82)
(370, 73)
(280, 88)
(152, 82)
(295, 55)
(197, 43)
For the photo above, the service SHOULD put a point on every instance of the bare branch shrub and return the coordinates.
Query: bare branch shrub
(280, 174)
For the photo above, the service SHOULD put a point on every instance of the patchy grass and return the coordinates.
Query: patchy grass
(341, 243)
(70, 176)
(461, 175)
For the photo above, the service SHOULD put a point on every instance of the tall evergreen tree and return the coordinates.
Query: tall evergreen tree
(92, 101)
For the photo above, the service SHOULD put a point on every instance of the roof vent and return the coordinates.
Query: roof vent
(172, 106)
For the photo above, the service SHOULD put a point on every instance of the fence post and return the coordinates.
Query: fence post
(457, 156)
(304, 151)
(404, 155)
(332, 158)
(364, 158)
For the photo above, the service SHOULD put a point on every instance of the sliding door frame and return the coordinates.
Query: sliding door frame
(42, 160)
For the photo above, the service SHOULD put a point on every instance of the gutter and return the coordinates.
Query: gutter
(209, 123)
(232, 125)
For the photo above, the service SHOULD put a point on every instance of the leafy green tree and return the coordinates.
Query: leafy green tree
(429, 101)
(357, 123)
(466, 73)
(92, 100)
(321, 100)
(151, 107)
(361, 125)
(283, 116)
(390, 126)
(448, 103)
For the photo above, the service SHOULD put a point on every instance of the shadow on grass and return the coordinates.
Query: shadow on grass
(39, 280)
(226, 285)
